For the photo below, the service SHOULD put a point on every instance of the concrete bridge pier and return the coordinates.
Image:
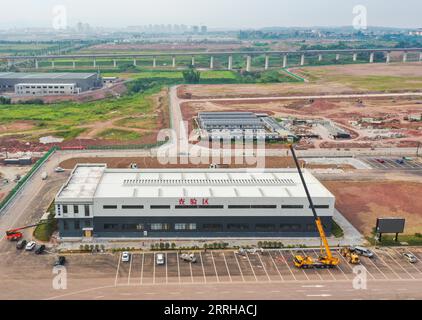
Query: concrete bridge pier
(211, 62)
(193, 61)
(230, 66)
(134, 62)
(320, 57)
(355, 57)
(52, 64)
(154, 62)
(248, 63)
(285, 61)
(405, 57)
(36, 64)
(267, 62)
(388, 57)
(337, 57)
(420, 57)
(74, 64)
(302, 60)
(371, 58)
(95, 63)
(174, 62)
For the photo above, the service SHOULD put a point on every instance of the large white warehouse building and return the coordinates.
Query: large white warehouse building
(195, 203)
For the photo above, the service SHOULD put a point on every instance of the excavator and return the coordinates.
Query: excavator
(325, 261)
(16, 235)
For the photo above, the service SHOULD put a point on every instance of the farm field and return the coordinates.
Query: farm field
(355, 78)
(368, 77)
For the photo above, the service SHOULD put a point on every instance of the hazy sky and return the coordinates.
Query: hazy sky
(214, 13)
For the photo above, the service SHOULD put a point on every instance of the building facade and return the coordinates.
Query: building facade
(196, 203)
(81, 81)
(44, 89)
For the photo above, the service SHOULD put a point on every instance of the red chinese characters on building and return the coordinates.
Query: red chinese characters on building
(193, 202)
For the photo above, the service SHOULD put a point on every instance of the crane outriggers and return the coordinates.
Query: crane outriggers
(326, 260)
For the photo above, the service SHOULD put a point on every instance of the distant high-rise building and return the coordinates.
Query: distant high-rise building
(204, 29)
(195, 29)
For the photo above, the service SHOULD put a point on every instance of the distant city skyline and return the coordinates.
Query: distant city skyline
(233, 14)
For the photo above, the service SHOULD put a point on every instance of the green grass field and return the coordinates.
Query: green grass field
(393, 81)
(66, 118)
(119, 135)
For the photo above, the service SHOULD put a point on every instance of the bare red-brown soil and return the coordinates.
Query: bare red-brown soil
(363, 202)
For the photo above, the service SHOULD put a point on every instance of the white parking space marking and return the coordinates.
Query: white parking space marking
(399, 265)
(300, 269)
(117, 271)
(130, 269)
(215, 268)
(284, 260)
(227, 267)
(388, 266)
(167, 272)
(351, 268)
(142, 268)
(411, 264)
(191, 272)
(253, 271)
(382, 273)
(316, 270)
(238, 264)
(263, 266)
(203, 269)
(329, 271)
(275, 265)
(178, 266)
(153, 273)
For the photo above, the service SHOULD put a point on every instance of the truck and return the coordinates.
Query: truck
(16, 234)
(351, 256)
(327, 260)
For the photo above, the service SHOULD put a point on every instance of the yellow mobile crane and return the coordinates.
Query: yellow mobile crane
(324, 261)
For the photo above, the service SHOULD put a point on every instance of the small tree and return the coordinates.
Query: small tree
(173, 246)
(191, 75)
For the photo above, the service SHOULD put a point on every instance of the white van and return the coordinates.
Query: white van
(160, 259)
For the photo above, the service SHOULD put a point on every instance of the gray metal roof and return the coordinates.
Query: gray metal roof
(45, 75)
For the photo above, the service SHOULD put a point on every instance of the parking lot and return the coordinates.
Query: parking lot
(393, 163)
(214, 267)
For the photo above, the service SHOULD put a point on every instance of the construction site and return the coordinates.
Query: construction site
(85, 184)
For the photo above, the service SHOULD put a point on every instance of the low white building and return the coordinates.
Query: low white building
(112, 203)
(46, 89)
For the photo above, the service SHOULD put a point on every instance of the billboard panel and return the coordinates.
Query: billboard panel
(390, 225)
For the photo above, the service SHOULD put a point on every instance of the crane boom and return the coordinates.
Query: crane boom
(15, 234)
(329, 260)
(318, 221)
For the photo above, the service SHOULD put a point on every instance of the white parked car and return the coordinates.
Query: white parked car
(30, 246)
(363, 252)
(59, 169)
(188, 257)
(160, 259)
(410, 257)
(125, 257)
